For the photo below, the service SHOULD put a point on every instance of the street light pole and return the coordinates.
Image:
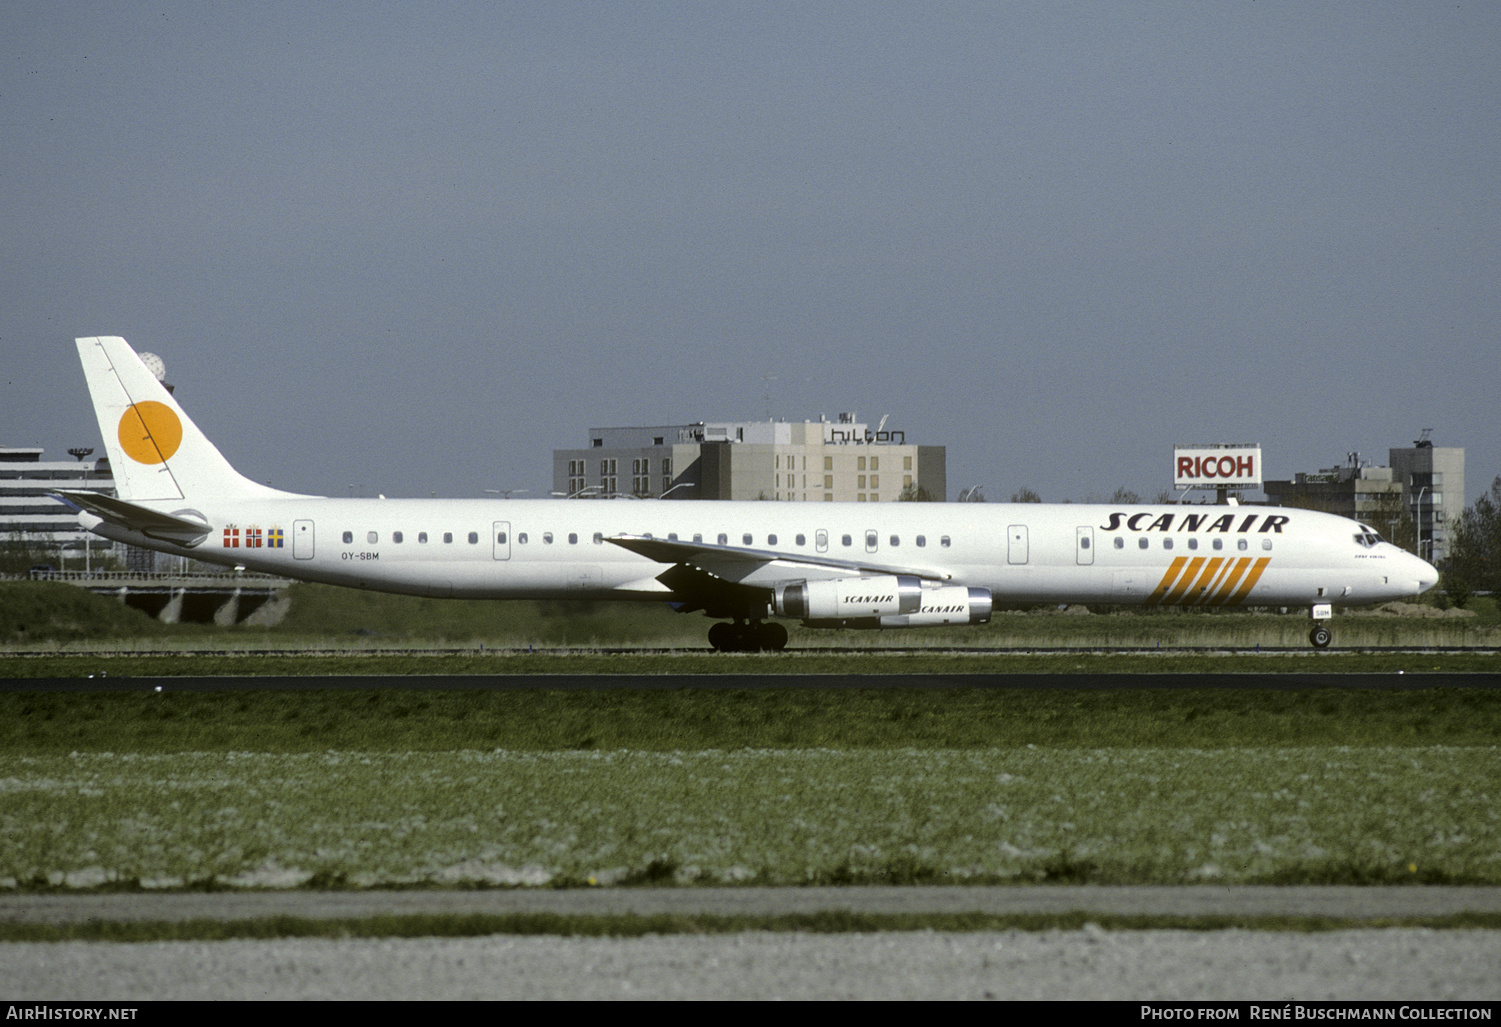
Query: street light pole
(1417, 517)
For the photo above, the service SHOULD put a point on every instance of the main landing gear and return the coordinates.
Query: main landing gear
(748, 637)
(1321, 636)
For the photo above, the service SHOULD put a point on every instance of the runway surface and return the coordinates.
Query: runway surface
(605, 682)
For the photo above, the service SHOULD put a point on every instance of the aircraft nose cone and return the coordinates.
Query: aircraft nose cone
(1423, 572)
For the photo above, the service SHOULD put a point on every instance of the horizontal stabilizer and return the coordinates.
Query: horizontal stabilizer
(166, 527)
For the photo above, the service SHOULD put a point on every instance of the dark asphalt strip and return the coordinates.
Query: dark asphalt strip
(1335, 901)
(603, 682)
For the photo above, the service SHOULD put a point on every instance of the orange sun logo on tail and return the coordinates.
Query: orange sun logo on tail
(150, 432)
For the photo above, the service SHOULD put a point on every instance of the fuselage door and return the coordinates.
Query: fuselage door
(1016, 543)
(872, 541)
(1084, 545)
(821, 540)
(302, 540)
(502, 539)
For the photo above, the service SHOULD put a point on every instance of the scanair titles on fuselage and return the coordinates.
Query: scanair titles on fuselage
(851, 565)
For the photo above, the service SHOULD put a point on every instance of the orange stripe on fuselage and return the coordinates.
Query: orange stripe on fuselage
(1234, 569)
(1189, 577)
(1167, 581)
(1250, 582)
(1200, 588)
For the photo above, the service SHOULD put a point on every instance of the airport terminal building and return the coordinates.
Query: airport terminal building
(31, 518)
(841, 461)
(1423, 482)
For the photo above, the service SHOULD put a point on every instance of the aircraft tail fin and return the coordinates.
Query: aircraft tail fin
(155, 450)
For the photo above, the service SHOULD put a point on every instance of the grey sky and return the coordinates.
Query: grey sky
(416, 247)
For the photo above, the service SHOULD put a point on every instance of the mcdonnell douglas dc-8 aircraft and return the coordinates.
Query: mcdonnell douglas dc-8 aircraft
(848, 565)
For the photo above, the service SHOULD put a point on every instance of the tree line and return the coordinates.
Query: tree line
(1474, 560)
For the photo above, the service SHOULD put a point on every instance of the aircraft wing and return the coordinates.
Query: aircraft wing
(132, 517)
(762, 568)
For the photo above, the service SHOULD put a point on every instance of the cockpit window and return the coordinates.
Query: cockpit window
(1367, 537)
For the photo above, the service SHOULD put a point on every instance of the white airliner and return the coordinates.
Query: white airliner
(852, 565)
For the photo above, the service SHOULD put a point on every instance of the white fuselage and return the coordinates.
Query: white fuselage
(1022, 553)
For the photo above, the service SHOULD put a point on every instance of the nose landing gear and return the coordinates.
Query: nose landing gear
(1321, 636)
(748, 637)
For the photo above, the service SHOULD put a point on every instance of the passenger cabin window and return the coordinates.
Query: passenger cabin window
(1219, 543)
(372, 537)
(421, 536)
(802, 540)
(1167, 543)
(396, 537)
(1120, 543)
(573, 538)
(1242, 544)
(1193, 543)
(547, 538)
(745, 539)
(448, 538)
(1142, 543)
(1083, 541)
(474, 538)
(500, 538)
(944, 542)
(724, 539)
(698, 538)
(771, 540)
(895, 541)
(1266, 543)
(348, 537)
(599, 538)
(922, 541)
(521, 538)
(847, 540)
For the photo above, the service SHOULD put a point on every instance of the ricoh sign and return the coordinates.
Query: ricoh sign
(1221, 467)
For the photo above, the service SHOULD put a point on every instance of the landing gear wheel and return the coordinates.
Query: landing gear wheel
(1320, 636)
(754, 637)
(722, 637)
(772, 638)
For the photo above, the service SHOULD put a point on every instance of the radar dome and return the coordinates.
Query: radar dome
(155, 365)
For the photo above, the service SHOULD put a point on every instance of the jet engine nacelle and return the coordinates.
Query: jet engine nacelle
(849, 598)
(954, 604)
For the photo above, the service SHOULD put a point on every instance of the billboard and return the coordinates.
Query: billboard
(1219, 467)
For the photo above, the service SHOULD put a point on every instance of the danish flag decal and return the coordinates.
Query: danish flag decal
(252, 537)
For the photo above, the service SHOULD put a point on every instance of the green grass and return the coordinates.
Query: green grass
(341, 818)
(39, 614)
(638, 925)
(683, 665)
(676, 786)
(46, 611)
(661, 720)
(541, 787)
